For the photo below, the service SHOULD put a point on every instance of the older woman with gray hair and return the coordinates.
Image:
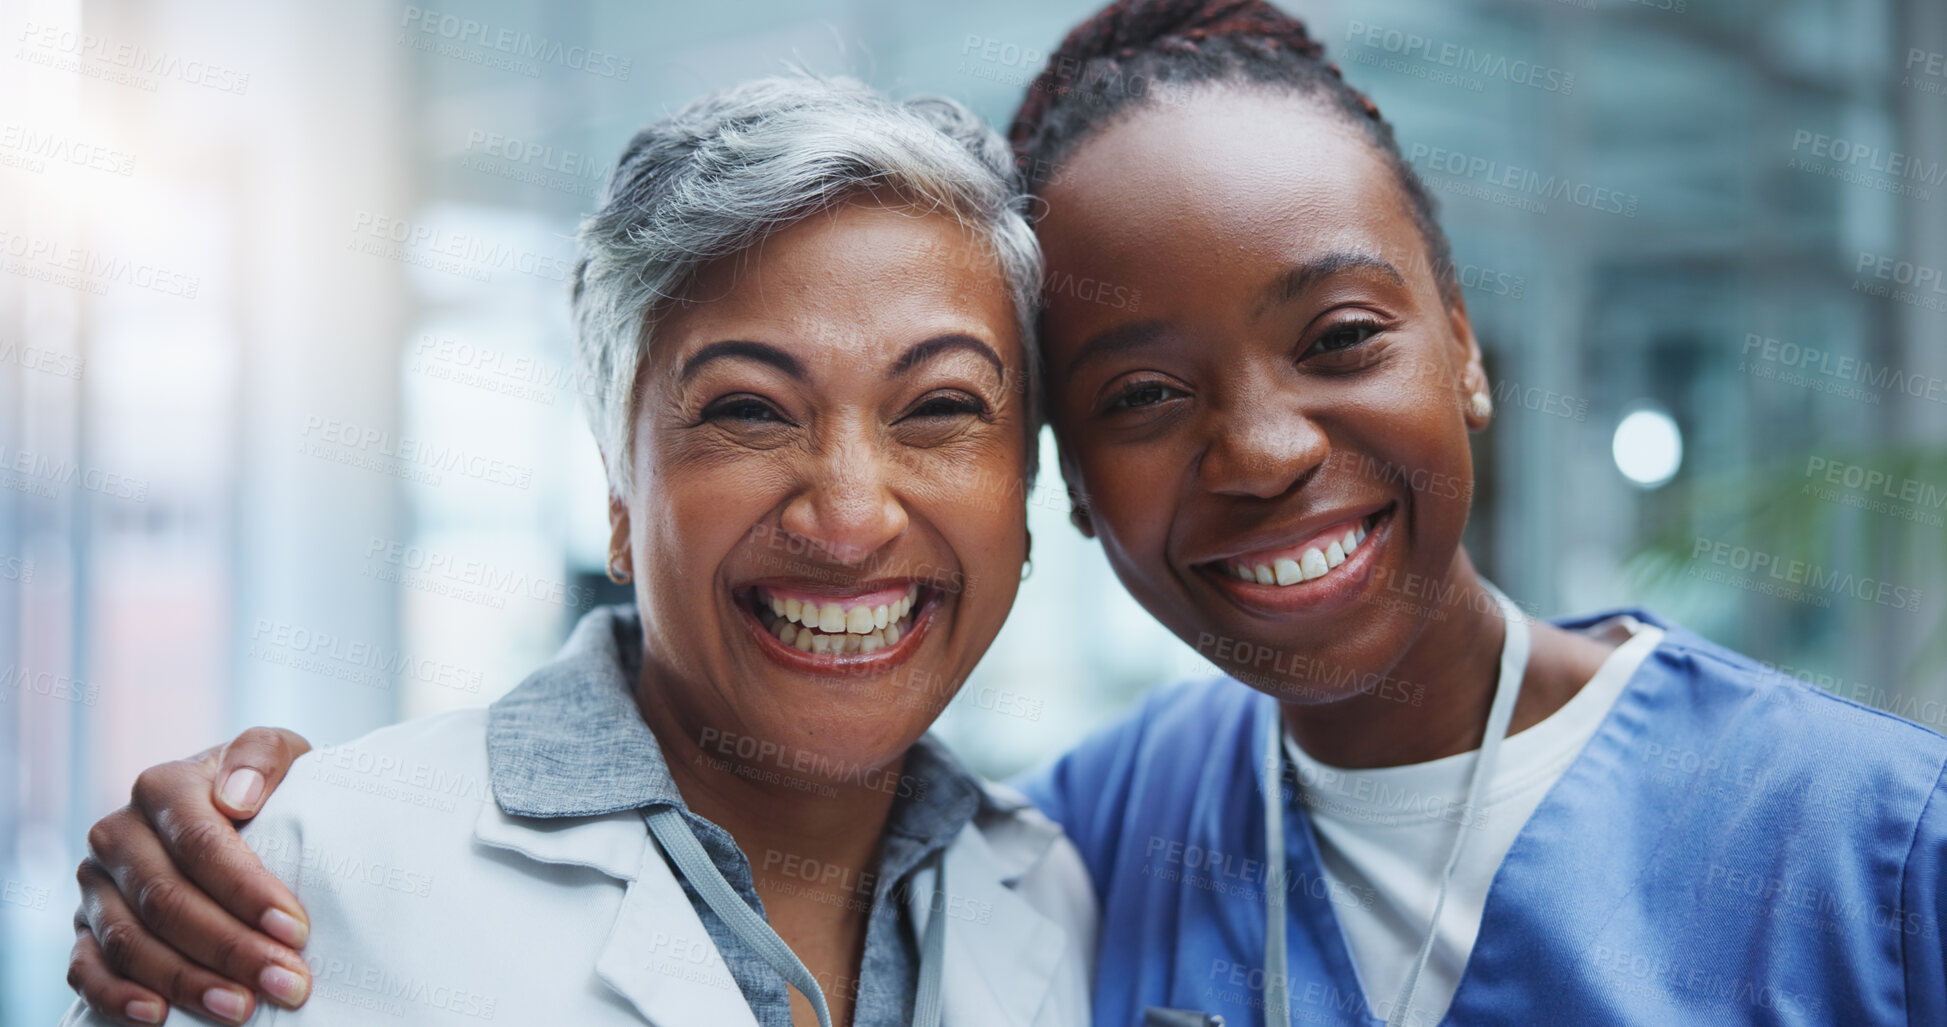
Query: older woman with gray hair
(811, 310)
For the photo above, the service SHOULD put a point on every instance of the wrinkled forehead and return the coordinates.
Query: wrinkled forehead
(855, 279)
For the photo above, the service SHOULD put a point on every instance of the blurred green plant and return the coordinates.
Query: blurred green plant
(1791, 509)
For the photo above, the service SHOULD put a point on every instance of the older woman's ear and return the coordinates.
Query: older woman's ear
(621, 561)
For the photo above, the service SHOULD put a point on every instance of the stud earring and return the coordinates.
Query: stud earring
(1482, 406)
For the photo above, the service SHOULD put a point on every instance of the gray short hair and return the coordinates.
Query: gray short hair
(741, 163)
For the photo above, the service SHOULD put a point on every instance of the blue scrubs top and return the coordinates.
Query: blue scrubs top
(1733, 846)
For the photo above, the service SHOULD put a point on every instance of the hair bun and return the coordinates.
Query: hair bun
(1127, 27)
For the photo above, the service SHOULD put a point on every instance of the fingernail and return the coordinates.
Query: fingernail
(283, 985)
(242, 789)
(144, 1010)
(224, 1004)
(285, 928)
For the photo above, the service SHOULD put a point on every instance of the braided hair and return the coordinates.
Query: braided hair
(1133, 51)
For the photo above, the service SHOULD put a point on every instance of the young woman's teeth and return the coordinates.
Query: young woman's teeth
(825, 626)
(1310, 565)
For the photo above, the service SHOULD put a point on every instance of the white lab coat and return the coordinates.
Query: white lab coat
(430, 905)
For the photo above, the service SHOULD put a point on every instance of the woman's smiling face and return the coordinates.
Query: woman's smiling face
(1273, 443)
(825, 531)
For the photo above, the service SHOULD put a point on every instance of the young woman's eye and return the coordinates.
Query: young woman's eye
(949, 404)
(1144, 394)
(1346, 335)
(743, 410)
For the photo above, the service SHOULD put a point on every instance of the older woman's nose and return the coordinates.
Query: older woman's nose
(848, 506)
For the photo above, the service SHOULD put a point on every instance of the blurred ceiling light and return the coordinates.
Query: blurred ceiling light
(1648, 447)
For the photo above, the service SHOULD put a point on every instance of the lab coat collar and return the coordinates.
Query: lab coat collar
(570, 740)
(1001, 954)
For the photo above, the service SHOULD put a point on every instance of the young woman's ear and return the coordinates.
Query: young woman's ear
(1078, 514)
(1475, 395)
(1077, 499)
(621, 563)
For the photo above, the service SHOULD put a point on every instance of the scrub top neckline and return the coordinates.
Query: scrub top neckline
(1543, 751)
(1302, 852)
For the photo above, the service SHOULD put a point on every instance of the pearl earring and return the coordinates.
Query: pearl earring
(1482, 406)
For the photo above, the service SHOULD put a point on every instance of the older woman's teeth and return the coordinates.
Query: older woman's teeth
(838, 629)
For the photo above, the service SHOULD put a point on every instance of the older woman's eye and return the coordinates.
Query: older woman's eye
(950, 404)
(744, 410)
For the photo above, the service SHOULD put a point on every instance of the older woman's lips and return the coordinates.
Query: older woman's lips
(837, 626)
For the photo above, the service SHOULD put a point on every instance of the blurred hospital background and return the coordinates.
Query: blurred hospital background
(289, 431)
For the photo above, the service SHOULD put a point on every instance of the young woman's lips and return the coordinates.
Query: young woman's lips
(1318, 573)
(816, 632)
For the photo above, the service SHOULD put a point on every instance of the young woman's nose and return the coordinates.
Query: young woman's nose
(846, 504)
(1264, 454)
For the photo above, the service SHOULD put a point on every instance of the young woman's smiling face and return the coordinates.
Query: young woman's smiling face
(1288, 376)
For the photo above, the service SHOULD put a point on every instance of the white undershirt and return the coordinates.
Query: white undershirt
(1384, 835)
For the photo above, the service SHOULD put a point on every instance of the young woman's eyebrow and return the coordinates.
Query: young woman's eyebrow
(762, 352)
(1120, 339)
(1296, 279)
(942, 344)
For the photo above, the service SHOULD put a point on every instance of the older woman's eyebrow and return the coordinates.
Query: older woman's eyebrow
(940, 345)
(762, 352)
(1296, 279)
